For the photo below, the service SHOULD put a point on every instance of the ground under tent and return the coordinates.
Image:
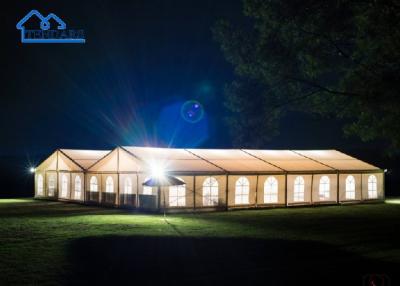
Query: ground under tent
(214, 179)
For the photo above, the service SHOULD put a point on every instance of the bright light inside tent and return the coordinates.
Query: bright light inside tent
(32, 169)
(157, 171)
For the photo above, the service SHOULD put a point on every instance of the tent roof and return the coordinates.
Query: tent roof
(337, 160)
(85, 158)
(172, 160)
(248, 160)
(221, 160)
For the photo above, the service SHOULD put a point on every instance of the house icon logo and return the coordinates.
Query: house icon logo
(52, 30)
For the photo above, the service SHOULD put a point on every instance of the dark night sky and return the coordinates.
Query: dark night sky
(142, 60)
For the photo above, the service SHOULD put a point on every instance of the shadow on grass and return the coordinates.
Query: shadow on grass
(128, 260)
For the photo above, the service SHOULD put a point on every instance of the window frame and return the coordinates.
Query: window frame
(242, 191)
(79, 189)
(128, 186)
(299, 189)
(350, 188)
(372, 187)
(271, 189)
(40, 185)
(175, 196)
(210, 191)
(324, 190)
(93, 183)
(64, 186)
(109, 185)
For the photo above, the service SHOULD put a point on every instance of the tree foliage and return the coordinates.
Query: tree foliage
(334, 58)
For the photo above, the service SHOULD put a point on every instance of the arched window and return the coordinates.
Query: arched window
(78, 187)
(177, 196)
(52, 185)
(372, 187)
(93, 184)
(146, 189)
(128, 186)
(324, 188)
(64, 186)
(242, 189)
(298, 194)
(210, 192)
(109, 185)
(271, 190)
(350, 188)
(40, 185)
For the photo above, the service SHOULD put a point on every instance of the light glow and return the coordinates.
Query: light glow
(32, 170)
(157, 171)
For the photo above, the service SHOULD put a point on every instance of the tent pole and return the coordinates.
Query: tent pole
(101, 189)
(194, 193)
(286, 190)
(256, 201)
(383, 185)
(84, 187)
(312, 188)
(118, 187)
(337, 188)
(137, 190)
(55, 193)
(45, 192)
(70, 186)
(159, 197)
(227, 192)
(361, 194)
(164, 201)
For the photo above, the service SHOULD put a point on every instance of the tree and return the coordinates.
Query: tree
(333, 58)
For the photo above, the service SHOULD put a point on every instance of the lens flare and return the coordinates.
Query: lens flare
(192, 111)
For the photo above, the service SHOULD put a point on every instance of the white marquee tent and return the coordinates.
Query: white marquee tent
(214, 178)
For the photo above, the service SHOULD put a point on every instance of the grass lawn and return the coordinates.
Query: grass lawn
(52, 243)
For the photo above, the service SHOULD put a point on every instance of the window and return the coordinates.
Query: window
(64, 186)
(372, 187)
(177, 196)
(78, 187)
(146, 189)
(128, 186)
(324, 188)
(109, 185)
(298, 194)
(350, 188)
(40, 185)
(52, 185)
(210, 192)
(242, 189)
(93, 184)
(271, 190)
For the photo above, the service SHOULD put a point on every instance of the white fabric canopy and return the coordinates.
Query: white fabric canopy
(142, 159)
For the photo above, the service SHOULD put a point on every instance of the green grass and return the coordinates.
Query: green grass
(52, 243)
